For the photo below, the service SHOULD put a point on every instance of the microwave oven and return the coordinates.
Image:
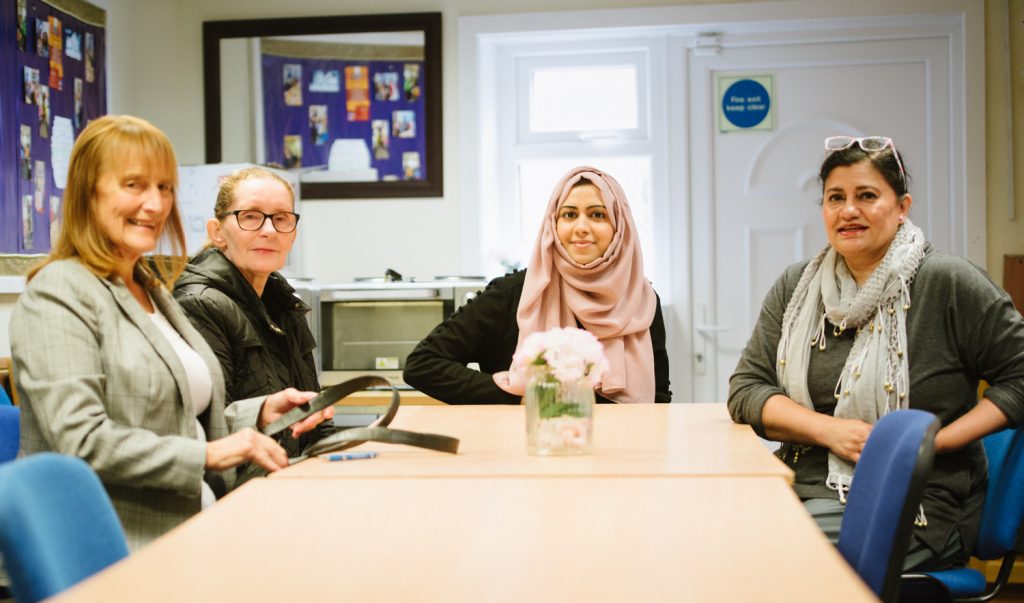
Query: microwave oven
(372, 327)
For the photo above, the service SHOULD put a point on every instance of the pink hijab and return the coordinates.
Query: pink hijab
(610, 296)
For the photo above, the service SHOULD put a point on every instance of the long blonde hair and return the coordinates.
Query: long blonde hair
(103, 146)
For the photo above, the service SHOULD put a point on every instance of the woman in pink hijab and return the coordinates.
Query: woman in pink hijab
(586, 271)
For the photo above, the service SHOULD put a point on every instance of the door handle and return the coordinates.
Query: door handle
(708, 330)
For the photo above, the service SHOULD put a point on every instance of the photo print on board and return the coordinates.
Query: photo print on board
(56, 54)
(411, 166)
(79, 119)
(318, 124)
(381, 139)
(325, 80)
(22, 33)
(292, 151)
(411, 85)
(403, 124)
(73, 44)
(25, 152)
(54, 219)
(42, 37)
(90, 56)
(27, 222)
(292, 74)
(44, 111)
(31, 81)
(385, 86)
(357, 93)
(40, 185)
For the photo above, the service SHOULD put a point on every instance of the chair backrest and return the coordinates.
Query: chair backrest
(7, 381)
(884, 497)
(1004, 503)
(57, 525)
(10, 430)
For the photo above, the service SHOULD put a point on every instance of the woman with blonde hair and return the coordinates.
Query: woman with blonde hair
(235, 297)
(586, 271)
(109, 369)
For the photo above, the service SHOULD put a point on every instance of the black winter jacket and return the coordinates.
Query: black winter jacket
(485, 331)
(263, 343)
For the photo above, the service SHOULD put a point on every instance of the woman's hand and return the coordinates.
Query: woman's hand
(277, 404)
(247, 445)
(786, 421)
(512, 382)
(846, 437)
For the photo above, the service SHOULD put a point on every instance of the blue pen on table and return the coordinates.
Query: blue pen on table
(351, 456)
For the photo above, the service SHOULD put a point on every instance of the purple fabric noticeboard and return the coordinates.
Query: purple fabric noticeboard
(309, 103)
(52, 82)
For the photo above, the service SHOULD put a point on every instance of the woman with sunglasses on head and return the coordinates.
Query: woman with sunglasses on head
(879, 321)
(586, 271)
(242, 306)
(109, 369)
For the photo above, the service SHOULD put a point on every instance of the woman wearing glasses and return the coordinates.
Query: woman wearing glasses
(877, 321)
(109, 369)
(237, 300)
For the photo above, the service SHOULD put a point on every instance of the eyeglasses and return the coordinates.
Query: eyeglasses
(253, 219)
(869, 144)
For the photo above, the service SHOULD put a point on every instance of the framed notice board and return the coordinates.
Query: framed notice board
(52, 57)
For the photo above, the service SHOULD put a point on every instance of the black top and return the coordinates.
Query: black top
(485, 331)
(264, 344)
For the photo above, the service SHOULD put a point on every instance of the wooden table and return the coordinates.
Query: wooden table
(629, 440)
(491, 539)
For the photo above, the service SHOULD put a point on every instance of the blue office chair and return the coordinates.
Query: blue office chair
(57, 525)
(998, 535)
(10, 430)
(884, 497)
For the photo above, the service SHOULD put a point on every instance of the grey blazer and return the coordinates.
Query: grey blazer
(99, 381)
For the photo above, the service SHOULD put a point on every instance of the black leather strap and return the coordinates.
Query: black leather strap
(376, 431)
(357, 435)
(331, 396)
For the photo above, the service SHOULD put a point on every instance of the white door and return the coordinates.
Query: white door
(757, 193)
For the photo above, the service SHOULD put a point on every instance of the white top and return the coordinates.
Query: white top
(200, 383)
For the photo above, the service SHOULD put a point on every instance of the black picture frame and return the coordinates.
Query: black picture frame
(428, 23)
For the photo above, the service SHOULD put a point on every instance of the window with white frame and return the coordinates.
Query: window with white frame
(560, 104)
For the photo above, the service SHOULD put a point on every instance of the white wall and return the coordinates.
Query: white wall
(156, 60)
(155, 71)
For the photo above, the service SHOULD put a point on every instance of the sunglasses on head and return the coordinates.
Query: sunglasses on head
(868, 144)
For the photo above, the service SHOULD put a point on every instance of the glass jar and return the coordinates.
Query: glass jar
(559, 415)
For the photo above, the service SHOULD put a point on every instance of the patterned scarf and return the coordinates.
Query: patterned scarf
(875, 377)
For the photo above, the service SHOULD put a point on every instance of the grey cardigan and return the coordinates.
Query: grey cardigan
(961, 328)
(100, 382)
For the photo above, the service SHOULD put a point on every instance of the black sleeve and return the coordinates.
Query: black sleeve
(212, 325)
(478, 332)
(661, 380)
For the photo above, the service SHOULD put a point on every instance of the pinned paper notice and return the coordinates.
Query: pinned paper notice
(61, 140)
